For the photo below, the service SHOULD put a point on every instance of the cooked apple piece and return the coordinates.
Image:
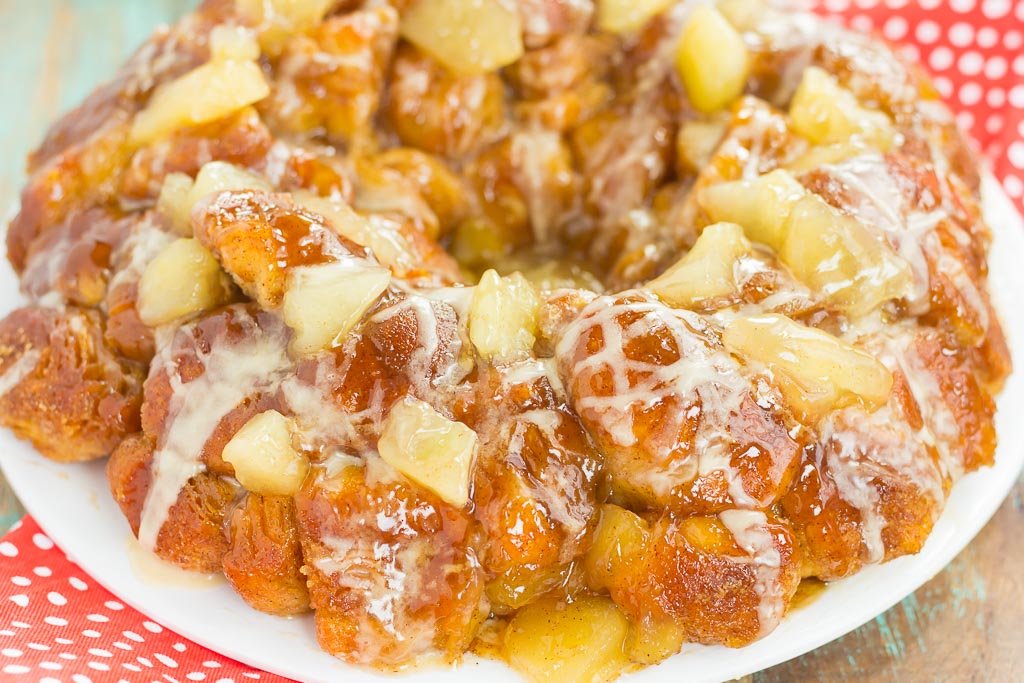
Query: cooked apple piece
(697, 141)
(263, 457)
(821, 155)
(760, 205)
(580, 642)
(233, 42)
(477, 242)
(824, 112)
(277, 20)
(468, 38)
(174, 202)
(712, 60)
(835, 254)
(815, 371)
(627, 16)
(503, 317)
(207, 93)
(433, 451)
(183, 279)
(323, 303)
(655, 642)
(218, 176)
(707, 270)
(619, 538)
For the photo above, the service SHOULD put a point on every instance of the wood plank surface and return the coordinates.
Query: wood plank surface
(967, 624)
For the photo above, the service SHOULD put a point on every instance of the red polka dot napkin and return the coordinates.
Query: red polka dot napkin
(56, 625)
(973, 49)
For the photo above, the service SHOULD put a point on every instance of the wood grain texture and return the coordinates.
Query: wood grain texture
(967, 624)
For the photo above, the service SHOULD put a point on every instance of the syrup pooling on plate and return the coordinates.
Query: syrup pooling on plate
(751, 341)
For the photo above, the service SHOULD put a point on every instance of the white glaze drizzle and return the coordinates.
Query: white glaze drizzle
(232, 372)
(750, 530)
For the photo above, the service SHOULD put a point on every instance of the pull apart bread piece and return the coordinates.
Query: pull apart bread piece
(751, 341)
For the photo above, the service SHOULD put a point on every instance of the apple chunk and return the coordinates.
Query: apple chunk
(433, 451)
(323, 303)
(815, 371)
(263, 457)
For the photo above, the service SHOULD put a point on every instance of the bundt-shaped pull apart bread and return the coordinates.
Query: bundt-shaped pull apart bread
(569, 331)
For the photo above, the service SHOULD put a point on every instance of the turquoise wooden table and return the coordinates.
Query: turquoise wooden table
(967, 624)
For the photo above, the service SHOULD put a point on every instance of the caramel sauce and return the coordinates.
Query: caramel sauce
(807, 593)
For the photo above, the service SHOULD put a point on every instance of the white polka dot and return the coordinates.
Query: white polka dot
(196, 676)
(910, 52)
(225, 680)
(930, 4)
(895, 28)
(70, 656)
(89, 633)
(944, 86)
(6, 632)
(927, 32)
(995, 122)
(941, 58)
(993, 9)
(122, 646)
(1013, 40)
(50, 666)
(39, 647)
(862, 22)
(1017, 96)
(56, 621)
(56, 598)
(16, 669)
(180, 647)
(866, 4)
(961, 34)
(132, 635)
(8, 549)
(962, 6)
(995, 98)
(1015, 154)
(21, 600)
(11, 652)
(42, 571)
(252, 674)
(1018, 65)
(1019, 11)
(896, 4)
(98, 666)
(113, 605)
(1014, 186)
(63, 641)
(78, 584)
(81, 678)
(152, 627)
(970, 93)
(144, 662)
(21, 581)
(837, 6)
(15, 526)
(165, 660)
(211, 664)
(995, 67)
(42, 541)
(19, 624)
(132, 667)
(970, 63)
(965, 120)
(99, 652)
(987, 37)
(98, 618)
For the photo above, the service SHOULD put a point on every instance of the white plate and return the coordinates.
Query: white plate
(72, 503)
